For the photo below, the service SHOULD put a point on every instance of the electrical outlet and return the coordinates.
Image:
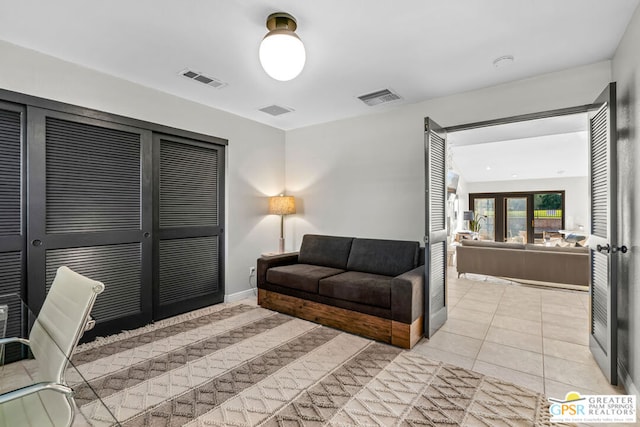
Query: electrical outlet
(252, 271)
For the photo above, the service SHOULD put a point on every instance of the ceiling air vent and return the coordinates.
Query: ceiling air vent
(199, 77)
(379, 97)
(276, 110)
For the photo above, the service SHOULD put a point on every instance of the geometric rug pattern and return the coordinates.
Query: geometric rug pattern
(248, 366)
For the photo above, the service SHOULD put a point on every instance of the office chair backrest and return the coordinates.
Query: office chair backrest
(61, 322)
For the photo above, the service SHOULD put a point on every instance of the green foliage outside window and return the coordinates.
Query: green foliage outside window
(547, 201)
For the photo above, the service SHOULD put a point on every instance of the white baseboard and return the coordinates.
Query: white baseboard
(249, 293)
(627, 383)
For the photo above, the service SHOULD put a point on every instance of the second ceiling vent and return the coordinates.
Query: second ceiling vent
(276, 110)
(201, 78)
(379, 97)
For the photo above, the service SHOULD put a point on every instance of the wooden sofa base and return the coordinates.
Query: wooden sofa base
(385, 330)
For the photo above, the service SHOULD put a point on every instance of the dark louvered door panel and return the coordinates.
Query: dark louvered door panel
(12, 229)
(117, 265)
(599, 186)
(599, 310)
(438, 256)
(603, 240)
(10, 306)
(599, 174)
(188, 185)
(91, 198)
(435, 151)
(437, 186)
(186, 264)
(93, 178)
(189, 214)
(10, 173)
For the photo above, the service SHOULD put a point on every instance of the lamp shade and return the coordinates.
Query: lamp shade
(468, 216)
(282, 205)
(282, 53)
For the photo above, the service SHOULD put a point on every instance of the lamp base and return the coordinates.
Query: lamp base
(281, 246)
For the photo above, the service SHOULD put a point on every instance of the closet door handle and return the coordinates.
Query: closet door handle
(146, 235)
(36, 242)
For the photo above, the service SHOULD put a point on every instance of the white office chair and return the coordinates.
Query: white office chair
(61, 322)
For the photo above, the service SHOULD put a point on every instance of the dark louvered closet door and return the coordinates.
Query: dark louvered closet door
(12, 239)
(90, 201)
(189, 217)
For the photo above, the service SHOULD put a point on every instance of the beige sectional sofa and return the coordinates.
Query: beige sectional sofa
(568, 265)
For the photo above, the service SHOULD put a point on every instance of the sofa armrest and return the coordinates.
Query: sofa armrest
(407, 296)
(265, 263)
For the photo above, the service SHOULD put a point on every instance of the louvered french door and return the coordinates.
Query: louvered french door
(435, 310)
(603, 241)
(188, 178)
(12, 227)
(90, 208)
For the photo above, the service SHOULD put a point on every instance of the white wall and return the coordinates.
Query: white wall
(255, 154)
(365, 176)
(576, 194)
(626, 72)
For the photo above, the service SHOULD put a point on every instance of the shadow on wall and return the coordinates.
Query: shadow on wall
(261, 230)
(305, 188)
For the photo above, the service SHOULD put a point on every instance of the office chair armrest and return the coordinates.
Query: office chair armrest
(14, 339)
(34, 388)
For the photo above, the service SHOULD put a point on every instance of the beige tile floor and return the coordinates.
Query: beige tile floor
(535, 337)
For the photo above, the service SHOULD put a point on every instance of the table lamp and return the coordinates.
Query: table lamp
(282, 205)
(468, 216)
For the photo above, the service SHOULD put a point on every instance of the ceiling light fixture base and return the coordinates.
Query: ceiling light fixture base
(281, 21)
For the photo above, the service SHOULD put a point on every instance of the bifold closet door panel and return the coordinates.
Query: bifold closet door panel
(12, 229)
(189, 216)
(90, 200)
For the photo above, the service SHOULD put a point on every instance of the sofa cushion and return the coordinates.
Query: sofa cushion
(304, 277)
(491, 244)
(421, 253)
(354, 286)
(327, 251)
(385, 257)
(570, 249)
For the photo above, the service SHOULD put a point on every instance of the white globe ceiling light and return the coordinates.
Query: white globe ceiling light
(282, 53)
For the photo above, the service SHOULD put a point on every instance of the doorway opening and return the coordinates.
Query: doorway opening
(599, 323)
(526, 182)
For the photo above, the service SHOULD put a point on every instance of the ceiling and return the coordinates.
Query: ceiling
(536, 149)
(419, 49)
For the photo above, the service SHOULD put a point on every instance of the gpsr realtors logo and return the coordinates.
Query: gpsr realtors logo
(593, 408)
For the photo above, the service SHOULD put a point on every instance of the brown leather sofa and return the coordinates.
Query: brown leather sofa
(565, 265)
(369, 287)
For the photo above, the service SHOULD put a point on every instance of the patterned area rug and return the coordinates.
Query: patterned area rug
(243, 365)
